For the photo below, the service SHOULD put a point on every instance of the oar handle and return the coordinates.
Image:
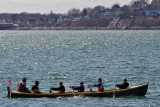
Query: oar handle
(90, 88)
(50, 91)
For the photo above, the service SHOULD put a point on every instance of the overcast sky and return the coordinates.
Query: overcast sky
(57, 6)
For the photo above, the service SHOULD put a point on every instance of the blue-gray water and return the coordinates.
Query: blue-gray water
(74, 56)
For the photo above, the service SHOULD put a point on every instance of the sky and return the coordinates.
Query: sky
(57, 6)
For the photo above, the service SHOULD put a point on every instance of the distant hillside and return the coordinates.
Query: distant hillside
(139, 14)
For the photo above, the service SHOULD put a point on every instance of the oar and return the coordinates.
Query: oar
(90, 88)
(50, 91)
(114, 92)
(9, 92)
(72, 91)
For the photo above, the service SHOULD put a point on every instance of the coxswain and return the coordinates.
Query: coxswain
(99, 85)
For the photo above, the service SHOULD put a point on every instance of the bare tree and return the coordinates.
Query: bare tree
(98, 8)
(89, 10)
(84, 12)
(74, 12)
(144, 2)
(14, 18)
(115, 6)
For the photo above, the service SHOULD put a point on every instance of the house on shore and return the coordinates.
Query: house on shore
(154, 9)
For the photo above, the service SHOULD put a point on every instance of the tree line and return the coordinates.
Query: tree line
(99, 16)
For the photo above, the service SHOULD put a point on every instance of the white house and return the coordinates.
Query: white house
(51, 21)
(154, 9)
(60, 19)
(78, 19)
(108, 13)
(156, 3)
(86, 17)
(153, 12)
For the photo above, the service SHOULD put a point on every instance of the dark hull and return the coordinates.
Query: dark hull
(140, 90)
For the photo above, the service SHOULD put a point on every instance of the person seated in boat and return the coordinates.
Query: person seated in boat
(124, 85)
(60, 89)
(22, 86)
(99, 85)
(35, 88)
(79, 88)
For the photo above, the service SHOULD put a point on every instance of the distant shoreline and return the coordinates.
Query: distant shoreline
(86, 28)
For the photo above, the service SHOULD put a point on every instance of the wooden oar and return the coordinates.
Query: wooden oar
(114, 92)
(72, 91)
(9, 92)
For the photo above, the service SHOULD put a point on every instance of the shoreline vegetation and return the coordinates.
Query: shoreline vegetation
(86, 28)
(138, 15)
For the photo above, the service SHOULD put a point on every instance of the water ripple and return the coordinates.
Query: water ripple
(75, 56)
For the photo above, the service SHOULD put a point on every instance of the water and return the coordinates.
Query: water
(74, 56)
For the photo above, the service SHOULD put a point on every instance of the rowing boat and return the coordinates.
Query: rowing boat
(140, 90)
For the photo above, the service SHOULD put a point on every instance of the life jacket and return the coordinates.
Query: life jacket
(19, 85)
(35, 90)
(101, 88)
(61, 91)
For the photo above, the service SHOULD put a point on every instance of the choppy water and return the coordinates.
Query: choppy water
(74, 56)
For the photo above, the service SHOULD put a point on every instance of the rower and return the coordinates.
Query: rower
(60, 89)
(22, 86)
(79, 88)
(99, 85)
(35, 88)
(124, 85)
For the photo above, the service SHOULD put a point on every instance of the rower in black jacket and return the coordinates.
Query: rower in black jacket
(124, 85)
(79, 88)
